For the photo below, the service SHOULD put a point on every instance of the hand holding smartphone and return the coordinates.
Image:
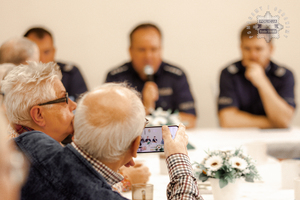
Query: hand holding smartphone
(152, 141)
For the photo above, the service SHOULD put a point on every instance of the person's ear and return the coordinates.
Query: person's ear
(135, 146)
(37, 115)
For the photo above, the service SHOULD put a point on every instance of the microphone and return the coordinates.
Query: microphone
(149, 72)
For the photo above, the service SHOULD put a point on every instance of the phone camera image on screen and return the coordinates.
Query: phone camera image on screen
(152, 141)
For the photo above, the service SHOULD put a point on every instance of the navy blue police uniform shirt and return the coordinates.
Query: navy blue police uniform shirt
(237, 91)
(72, 80)
(174, 90)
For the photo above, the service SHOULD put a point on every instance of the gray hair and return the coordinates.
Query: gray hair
(28, 85)
(4, 69)
(109, 138)
(18, 51)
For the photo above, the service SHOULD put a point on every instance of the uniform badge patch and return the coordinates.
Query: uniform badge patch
(280, 71)
(232, 69)
(68, 67)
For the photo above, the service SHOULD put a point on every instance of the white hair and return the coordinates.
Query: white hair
(28, 85)
(18, 51)
(4, 69)
(108, 141)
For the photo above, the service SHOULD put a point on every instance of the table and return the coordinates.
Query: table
(218, 138)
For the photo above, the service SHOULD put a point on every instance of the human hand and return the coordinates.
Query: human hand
(255, 73)
(150, 95)
(178, 145)
(139, 173)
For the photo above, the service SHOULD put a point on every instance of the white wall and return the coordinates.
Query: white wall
(200, 36)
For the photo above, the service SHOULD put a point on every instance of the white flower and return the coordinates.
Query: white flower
(246, 171)
(158, 121)
(238, 163)
(208, 173)
(214, 163)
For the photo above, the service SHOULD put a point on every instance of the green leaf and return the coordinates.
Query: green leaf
(248, 179)
(223, 183)
(203, 177)
(218, 174)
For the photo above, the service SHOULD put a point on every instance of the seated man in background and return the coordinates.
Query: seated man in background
(161, 84)
(256, 92)
(72, 78)
(107, 131)
(18, 51)
(30, 108)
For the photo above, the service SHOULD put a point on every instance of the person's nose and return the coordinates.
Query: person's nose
(148, 56)
(72, 104)
(253, 55)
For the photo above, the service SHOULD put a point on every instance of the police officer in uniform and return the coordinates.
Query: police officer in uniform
(72, 78)
(161, 84)
(256, 92)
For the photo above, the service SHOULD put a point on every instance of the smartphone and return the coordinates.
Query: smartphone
(152, 140)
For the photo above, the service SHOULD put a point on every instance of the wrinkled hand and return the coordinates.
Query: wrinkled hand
(150, 95)
(139, 173)
(178, 145)
(254, 73)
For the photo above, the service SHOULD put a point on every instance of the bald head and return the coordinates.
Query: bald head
(18, 51)
(108, 120)
(109, 105)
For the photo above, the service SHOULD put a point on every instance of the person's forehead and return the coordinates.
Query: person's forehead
(59, 88)
(46, 41)
(147, 34)
(254, 41)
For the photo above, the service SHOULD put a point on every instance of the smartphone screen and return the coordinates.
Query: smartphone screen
(152, 140)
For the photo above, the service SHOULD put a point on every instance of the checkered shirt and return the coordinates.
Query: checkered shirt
(183, 184)
(110, 176)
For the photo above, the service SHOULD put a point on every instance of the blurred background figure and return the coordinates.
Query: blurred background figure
(13, 168)
(256, 92)
(18, 51)
(14, 52)
(72, 78)
(161, 84)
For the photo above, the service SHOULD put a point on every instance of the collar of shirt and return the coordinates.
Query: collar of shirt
(110, 176)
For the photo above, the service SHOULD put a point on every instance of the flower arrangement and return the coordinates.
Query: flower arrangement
(226, 166)
(160, 117)
(159, 147)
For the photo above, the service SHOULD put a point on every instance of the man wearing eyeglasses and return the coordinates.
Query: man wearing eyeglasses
(108, 125)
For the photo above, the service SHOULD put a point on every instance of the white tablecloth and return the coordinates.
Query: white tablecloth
(204, 139)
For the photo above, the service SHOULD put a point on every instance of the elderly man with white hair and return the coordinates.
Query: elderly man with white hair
(36, 100)
(108, 126)
(18, 51)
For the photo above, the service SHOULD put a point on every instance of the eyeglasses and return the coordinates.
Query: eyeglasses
(60, 100)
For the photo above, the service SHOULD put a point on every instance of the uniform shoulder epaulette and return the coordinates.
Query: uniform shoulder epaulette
(173, 70)
(119, 70)
(232, 69)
